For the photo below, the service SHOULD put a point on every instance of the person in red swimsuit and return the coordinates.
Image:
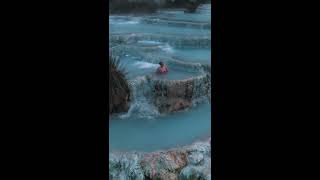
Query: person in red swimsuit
(163, 69)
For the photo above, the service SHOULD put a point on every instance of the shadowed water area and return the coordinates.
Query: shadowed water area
(183, 42)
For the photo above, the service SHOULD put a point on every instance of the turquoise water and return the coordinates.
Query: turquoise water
(163, 132)
(171, 36)
(200, 55)
(135, 68)
(136, 25)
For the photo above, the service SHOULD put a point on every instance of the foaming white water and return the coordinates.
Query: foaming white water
(128, 22)
(123, 20)
(148, 42)
(145, 65)
(167, 36)
(167, 48)
(141, 107)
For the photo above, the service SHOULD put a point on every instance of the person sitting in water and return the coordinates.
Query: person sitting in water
(162, 69)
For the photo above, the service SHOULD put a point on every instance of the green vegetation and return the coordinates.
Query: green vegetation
(119, 91)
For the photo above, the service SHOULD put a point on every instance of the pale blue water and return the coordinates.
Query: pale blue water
(143, 128)
(202, 55)
(132, 26)
(172, 130)
(135, 67)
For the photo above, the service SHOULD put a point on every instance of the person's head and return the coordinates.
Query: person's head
(161, 63)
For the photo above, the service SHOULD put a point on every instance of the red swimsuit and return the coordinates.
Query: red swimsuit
(163, 70)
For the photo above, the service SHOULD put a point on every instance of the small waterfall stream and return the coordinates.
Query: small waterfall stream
(183, 42)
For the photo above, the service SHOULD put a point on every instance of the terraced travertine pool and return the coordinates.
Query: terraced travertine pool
(180, 40)
(161, 132)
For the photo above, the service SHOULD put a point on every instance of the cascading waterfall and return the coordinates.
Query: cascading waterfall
(166, 111)
(163, 105)
(142, 90)
(141, 105)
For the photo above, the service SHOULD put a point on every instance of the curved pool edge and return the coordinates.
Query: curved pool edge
(177, 163)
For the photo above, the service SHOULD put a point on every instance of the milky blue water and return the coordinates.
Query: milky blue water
(202, 55)
(135, 68)
(163, 132)
(143, 128)
(121, 24)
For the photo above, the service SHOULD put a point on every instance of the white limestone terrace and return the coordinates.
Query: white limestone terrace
(188, 162)
(144, 142)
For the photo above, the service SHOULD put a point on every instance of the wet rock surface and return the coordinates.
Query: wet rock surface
(171, 96)
(189, 162)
